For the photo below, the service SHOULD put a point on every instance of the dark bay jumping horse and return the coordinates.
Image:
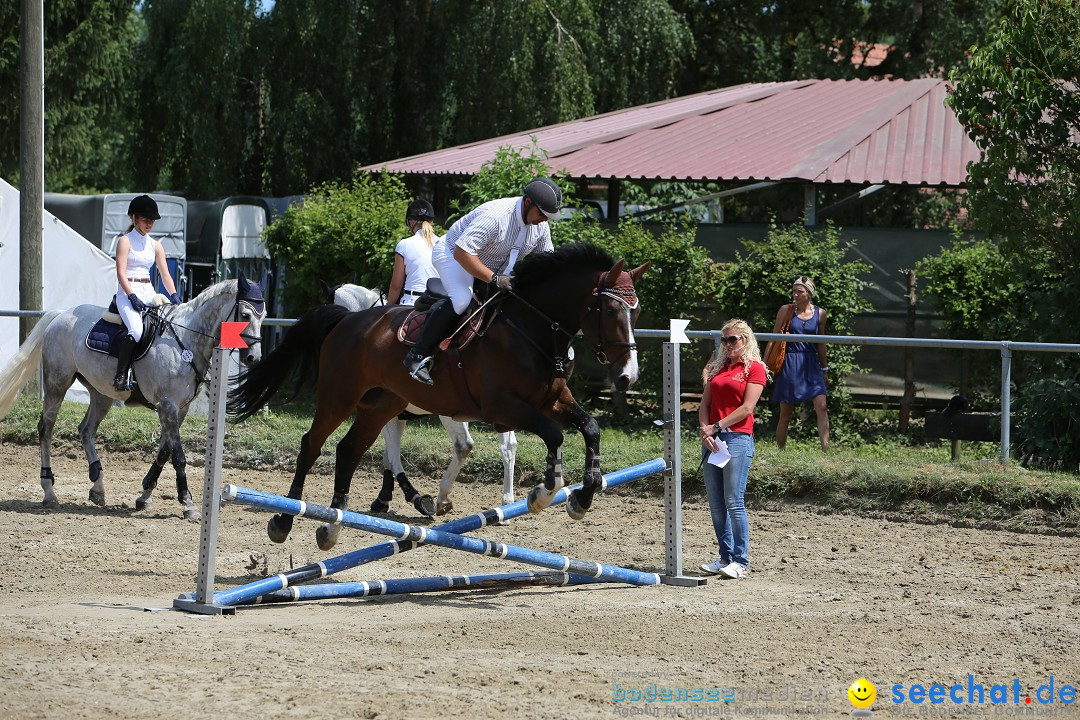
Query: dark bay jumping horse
(513, 377)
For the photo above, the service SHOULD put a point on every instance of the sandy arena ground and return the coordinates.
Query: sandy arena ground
(831, 598)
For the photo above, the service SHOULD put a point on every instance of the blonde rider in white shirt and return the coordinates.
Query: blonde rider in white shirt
(484, 245)
(412, 256)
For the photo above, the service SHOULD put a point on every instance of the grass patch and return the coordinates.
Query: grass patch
(892, 474)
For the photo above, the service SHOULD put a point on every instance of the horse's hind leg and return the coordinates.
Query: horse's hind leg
(95, 413)
(49, 410)
(364, 431)
(508, 452)
(392, 433)
(328, 416)
(179, 463)
(462, 446)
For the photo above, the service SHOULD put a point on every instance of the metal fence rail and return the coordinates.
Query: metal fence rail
(1005, 347)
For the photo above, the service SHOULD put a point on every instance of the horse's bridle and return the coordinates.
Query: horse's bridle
(624, 298)
(594, 306)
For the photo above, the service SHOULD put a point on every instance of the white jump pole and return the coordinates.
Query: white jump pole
(673, 567)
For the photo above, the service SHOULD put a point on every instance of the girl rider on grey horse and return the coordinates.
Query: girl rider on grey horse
(136, 253)
(484, 245)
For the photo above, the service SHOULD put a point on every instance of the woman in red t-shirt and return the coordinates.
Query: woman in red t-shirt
(733, 380)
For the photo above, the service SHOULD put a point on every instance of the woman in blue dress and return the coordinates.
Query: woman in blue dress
(804, 375)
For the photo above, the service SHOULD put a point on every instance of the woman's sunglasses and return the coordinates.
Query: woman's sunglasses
(731, 339)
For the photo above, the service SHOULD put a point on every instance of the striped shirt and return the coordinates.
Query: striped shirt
(489, 233)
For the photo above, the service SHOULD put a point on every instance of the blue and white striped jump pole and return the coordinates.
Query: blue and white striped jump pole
(245, 594)
(440, 538)
(401, 586)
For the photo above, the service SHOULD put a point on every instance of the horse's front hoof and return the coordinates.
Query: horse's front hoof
(276, 531)
(141, 504)
(97, 497)
(51, 503)
(443, 507)
(425, 505)
(574, 508)
(535, 504)
(378, 506)
(190, 513)
(327, 536)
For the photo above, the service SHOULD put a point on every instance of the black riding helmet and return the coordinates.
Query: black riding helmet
(545, 195)
(144, 206)
(420, 210)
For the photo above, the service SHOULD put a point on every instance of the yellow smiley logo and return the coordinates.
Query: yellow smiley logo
(862, 693)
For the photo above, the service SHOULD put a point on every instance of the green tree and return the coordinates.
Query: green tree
(744, 41)
(504, 67)
(758, 282)
(199, 98)
(1019, 100)
(348, 84)
(89, 68)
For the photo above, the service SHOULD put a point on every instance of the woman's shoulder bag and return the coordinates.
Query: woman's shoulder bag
(777, 349)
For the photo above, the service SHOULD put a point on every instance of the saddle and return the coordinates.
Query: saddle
(108, 333)
(410, 329)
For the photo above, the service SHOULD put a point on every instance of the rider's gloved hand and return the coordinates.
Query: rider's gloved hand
(502, 282)
(175, 299)
(136, 303)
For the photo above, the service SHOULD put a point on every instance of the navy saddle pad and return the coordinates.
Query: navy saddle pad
(106, 337)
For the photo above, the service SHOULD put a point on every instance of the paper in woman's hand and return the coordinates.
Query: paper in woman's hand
(720, 456)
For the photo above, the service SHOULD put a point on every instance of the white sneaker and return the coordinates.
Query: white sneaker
(715, 567)
(734, 570)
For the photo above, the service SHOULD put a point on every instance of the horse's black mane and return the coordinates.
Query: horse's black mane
(538, 267)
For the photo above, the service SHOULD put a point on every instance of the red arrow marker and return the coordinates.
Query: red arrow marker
(230, 335)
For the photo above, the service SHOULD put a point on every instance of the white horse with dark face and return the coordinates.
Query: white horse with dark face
(168, 376)
(355, 298)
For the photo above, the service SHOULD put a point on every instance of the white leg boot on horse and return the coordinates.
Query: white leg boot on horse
(508, 445)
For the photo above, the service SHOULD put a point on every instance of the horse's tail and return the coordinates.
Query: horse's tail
(296, 357)
(25, 362)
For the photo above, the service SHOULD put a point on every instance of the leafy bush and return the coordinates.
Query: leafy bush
(341, 233)
(506, 175)
(973, 286)
(985, 292)
(759, 282)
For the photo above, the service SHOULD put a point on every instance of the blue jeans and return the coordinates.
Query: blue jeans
(726, 488)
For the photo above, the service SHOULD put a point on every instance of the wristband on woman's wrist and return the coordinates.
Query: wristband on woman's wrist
(824, 368)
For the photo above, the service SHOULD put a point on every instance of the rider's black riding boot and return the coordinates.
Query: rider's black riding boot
(440, 323)
(123, 363)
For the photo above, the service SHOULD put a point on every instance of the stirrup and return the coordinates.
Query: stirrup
(419, 370)
(123, 383)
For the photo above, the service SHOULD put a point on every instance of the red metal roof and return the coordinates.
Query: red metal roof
(824, 131)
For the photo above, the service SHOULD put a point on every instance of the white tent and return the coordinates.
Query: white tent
(74, 272)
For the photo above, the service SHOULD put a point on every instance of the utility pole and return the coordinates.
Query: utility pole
(31, 159)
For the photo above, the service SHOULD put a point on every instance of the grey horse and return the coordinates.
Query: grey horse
(168, 376)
